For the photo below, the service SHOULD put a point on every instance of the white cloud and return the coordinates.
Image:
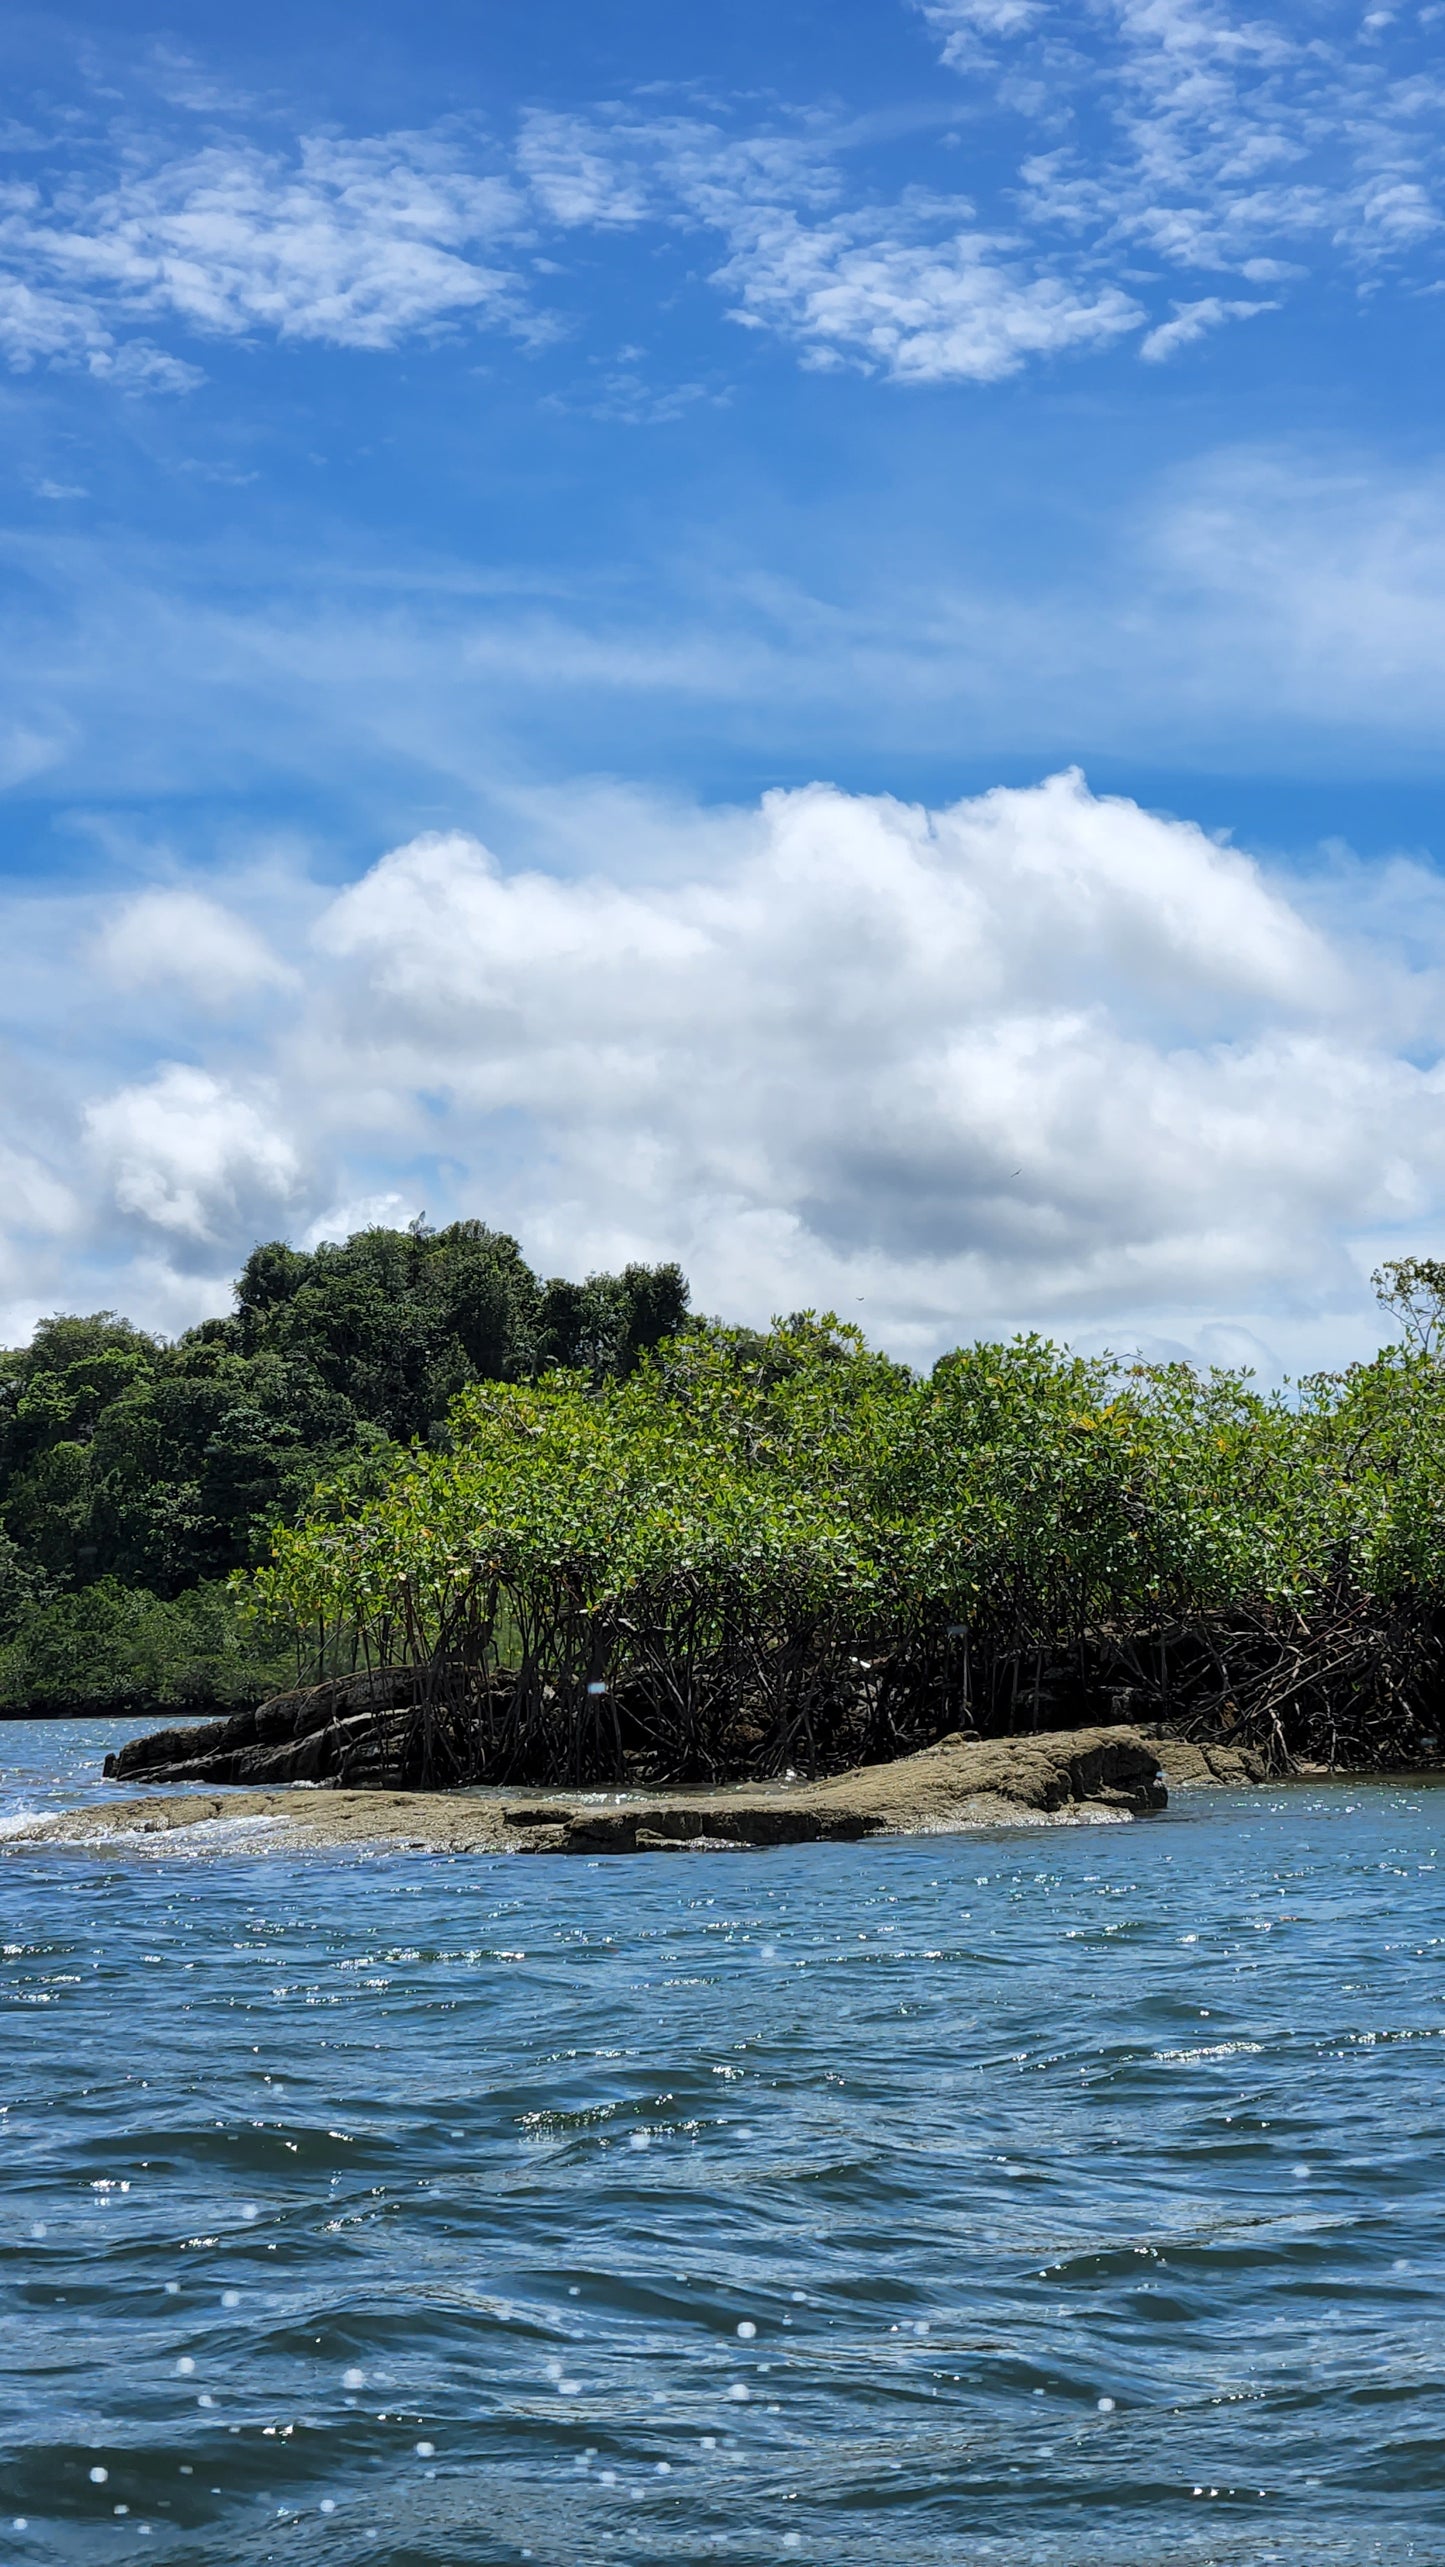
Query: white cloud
(913, 287)
(185, 1153)
(385, 1211)
(137, 366)
(1039, 1058)
(951, 306)
(968, 27)
(1105, 145)
(189, 940)
(1279, 611)
(576, 174)
(38, 1202)
(1039, 1050)
(1315, 579)
(1194, 321)
(358, 243)
(38, 326)
(1179, 133)
(25, 750)
(179, 78)
(1210, 136)
(42, 1226)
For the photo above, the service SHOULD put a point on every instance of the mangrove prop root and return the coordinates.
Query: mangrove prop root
(663, 1697)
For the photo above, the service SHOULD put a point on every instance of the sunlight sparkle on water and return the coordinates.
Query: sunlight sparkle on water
(1020, 2102)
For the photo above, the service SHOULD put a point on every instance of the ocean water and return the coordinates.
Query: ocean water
(1044, 2196)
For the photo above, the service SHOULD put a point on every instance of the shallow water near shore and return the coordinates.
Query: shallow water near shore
(1039, 2196)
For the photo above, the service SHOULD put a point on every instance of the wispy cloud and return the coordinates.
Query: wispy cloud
(922, 296)
(1139, 139)
(914, 288)
(181, 938)
(969, 28)
(355, 243)
(1194, 321)
(1212, 138)
(1124, 145)
(1276, 609)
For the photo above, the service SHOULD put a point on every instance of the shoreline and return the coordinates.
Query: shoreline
(1063, 1778)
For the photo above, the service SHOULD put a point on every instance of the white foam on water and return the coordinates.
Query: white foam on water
(205, 1836)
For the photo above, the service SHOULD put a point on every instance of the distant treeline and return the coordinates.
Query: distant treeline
(137, 1475)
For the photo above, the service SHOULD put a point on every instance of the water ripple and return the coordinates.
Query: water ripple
(1006, 2199)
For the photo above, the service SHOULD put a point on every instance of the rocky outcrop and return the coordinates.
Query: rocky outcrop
(1186, 1764)
(960, 1782)
(1063, 1777)
(338, 1731)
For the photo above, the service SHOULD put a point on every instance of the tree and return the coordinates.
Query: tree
(1412, 1289)
(607, 1324)
(161, 1466)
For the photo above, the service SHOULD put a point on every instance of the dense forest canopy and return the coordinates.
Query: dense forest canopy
(136, 1475)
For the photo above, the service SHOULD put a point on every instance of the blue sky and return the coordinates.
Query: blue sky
(549, 558)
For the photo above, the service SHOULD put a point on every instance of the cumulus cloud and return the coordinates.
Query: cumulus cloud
(1042, 1057)
(185, 1153)
(1039, 1047)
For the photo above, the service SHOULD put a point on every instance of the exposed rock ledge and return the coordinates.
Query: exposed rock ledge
(350, 1730)
(1185, 1764)
(1076, 1774)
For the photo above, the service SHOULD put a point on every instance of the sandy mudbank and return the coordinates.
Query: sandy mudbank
(1064, 1776)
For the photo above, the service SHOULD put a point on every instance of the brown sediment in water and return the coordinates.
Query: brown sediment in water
(1059, 1777)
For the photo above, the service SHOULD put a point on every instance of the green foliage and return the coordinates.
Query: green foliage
(1412, 1289)
(760, 1550)
(112, 1649)
(22, 1588)
(710, 1549)
(124, 1458)
(605, 1326)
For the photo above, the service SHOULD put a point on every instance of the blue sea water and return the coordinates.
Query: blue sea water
(1045, 2196)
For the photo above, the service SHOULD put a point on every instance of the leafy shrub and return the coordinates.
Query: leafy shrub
(109, 1648)
(758, 1552)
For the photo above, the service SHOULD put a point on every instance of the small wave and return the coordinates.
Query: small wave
(1213, 2050)
(207, 1835)
(203, 1836)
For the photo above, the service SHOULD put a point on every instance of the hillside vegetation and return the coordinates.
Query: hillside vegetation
(137, 1476)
